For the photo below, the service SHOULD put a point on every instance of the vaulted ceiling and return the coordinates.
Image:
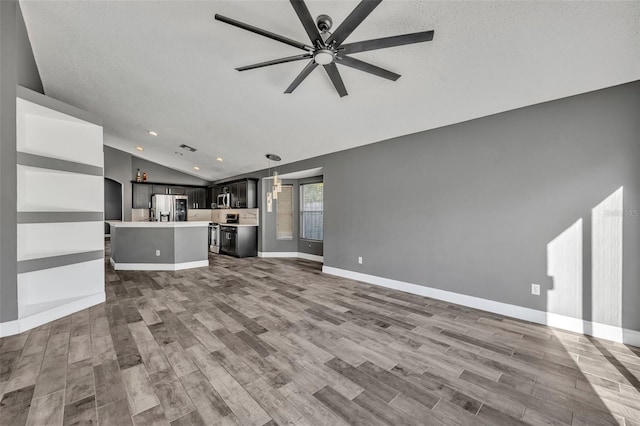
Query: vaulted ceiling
(168, 66)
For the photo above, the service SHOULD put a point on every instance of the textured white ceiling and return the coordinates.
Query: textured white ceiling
(169, 67)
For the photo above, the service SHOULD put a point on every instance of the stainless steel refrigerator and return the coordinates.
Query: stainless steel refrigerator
(169, 208)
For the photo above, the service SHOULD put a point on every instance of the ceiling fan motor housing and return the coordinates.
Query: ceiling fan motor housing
(324, 22)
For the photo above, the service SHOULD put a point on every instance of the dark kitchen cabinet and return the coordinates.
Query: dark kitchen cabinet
(196, 198)
(168, 189)
(243, 193)
(191, 197)
(201, 198)
(214, 191)
(212, 198)
(160, 189)
(239, 241)
(141, 196)
(229, 240)
(247, 192)
(143, 191)
(233, 189)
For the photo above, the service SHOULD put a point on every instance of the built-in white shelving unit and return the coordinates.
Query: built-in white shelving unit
(60, 205)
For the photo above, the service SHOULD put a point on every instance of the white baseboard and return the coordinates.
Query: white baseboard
(277, 254)
(313, 257)
(296, 254)
(604, 331)
(23, 324)
(158, 266)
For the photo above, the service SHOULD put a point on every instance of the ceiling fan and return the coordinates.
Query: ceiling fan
(327, 48)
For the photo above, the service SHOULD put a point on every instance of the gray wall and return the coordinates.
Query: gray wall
(28, 74)
(8, 188)
(121, 167)
(470, 208)
(112, 202)
(117, 166)
(162, 174)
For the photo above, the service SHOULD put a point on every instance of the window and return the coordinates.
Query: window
(311, 211)
(284, 213)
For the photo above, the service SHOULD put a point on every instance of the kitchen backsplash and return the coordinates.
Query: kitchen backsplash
(247, 216)
(199, 214)
(139, 215)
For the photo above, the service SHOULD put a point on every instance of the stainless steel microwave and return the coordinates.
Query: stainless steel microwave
(224, 201)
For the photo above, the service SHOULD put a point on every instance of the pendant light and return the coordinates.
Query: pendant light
(276, 186)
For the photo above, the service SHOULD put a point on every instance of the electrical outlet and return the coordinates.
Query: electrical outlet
(360, 260)
(157, 252)
(535, 289)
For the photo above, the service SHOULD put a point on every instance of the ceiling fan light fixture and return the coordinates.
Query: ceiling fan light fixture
(323, 57)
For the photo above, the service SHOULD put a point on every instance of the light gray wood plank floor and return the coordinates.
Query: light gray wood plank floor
(274, 341)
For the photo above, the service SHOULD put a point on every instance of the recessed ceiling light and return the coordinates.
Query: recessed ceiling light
(220, 159)
(152, 133)
(139, 148)
(196, 168)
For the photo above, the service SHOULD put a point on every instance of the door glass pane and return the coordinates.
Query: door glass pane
(284, 214)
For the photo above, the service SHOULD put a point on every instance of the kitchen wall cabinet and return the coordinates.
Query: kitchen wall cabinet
(248, 194)
(243, 193)
(160, 189)
(196, 198)
(168, 189)
(233, 190)
(141, 196)
(142, 192)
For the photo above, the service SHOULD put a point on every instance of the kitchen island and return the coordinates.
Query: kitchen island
(159, 246)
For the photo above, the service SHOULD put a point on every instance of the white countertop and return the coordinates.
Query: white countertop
(234, 224)
(188, 224)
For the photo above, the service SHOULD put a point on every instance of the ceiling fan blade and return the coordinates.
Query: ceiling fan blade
(355, 18)
(275, 62)
(367, 67)
(262, 32)
(305, 72)
(382, 43)
(307, 21)
(334, 75)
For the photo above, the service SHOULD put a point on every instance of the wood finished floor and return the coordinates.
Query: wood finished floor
(274, 341)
